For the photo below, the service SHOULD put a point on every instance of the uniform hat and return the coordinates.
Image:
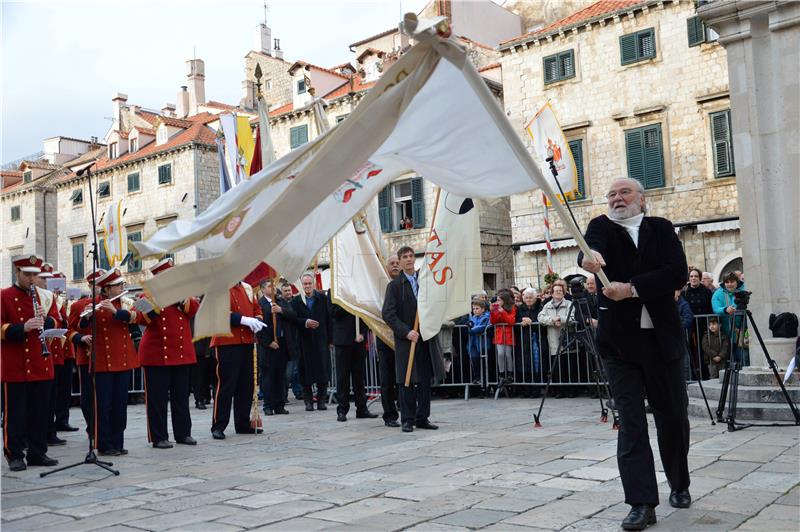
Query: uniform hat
(95, 275)
(59, 275)
(110, 278)
(30, 264)
(47, 270)
(163, 264)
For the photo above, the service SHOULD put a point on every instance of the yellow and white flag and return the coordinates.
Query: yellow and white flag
(551, 151)
(451, 270)
(114, 243)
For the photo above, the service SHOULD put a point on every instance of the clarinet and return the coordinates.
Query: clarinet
(36, 311)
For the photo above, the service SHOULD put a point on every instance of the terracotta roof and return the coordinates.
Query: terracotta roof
(202, 118)
(282, 109)
(342, 90)
(11, 173)
(370, 51)
(43, 165)
(303, 64)
(220, 105)
(378, 36)
(343, 66)
(123, 134)
(145, 130)
(11, 186)
(594, 11)
(489, 67)
(148, 116)
(476, 43)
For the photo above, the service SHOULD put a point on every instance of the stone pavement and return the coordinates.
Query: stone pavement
(486, 467)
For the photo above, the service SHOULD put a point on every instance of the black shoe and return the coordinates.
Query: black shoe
(42, 460)
(366, 415)
(66, 428)
(341, 417)
(640, 516)
(391, 423)
(426, 425)
(200, 405)
(408, 427)
(108, 452)
(217, 434)
(321, 405)
(309, 406)
(249, 430)
(122, 452)
(188, 440)
(55, 440)
(17, 464)
(269, 412)
(163, 444)
(680, 499)
(207, 401)
(281, 410)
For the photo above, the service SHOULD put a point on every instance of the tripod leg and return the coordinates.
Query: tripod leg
(723, 392)
(699, 379)
(537, 415)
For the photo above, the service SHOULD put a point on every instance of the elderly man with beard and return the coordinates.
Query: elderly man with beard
(641, 339)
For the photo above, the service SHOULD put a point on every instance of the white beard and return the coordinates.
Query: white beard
(629, 211)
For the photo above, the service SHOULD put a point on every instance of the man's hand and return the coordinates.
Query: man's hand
(617, 291)
(717, 359)
(413, 336)
(527, 321)
(594, 323)
(273, 345)
(276, 309)
(35, 323)
(254, 324)
(594, 264)
(312, 324)
(359, 338)
(87, 340)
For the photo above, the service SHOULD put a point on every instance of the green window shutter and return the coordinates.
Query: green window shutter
(695, 30)
(550, 69)
(721, 142)
(653, 157)
(134, 265)
(627, 48)
(566, 64)
(15, 213)
(104, 264)
(77, 262)
(385, 208)
(417, 203)
(634, 146)
(576, 147)
(165, 174)
(133, 182)
(298, 136)
(646, 43)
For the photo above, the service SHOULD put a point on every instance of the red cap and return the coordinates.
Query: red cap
(110, 278)
(59, 275)
(47, 270)
(96, 275)
(163, 264)
(30, 264)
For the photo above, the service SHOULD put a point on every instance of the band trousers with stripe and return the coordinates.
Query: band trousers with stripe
(25, 409)
(234, 384)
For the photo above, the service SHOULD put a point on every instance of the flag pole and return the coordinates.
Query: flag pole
(416, 319)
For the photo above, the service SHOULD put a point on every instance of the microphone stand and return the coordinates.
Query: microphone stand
(91, 457)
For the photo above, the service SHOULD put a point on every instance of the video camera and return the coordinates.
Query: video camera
(577, 287)
(742, 299)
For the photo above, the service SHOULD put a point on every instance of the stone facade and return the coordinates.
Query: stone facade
(276, 82)
(26, 235)
(677, 89)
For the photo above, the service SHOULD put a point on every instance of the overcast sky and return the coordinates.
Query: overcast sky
(63, 60)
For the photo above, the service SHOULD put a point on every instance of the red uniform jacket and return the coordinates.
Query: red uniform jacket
(243, 303)
(113, 344)
(60, 348)
(167, 339)
(76, 330)
(20, 352)
(503, 321)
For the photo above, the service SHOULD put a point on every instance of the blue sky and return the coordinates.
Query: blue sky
(61, 61)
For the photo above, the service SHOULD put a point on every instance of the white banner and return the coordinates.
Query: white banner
(551, 150)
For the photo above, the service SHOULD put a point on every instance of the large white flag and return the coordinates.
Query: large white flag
(431, 113)
(114, 243)
(451, 271)
(551, 150)
(265, 136)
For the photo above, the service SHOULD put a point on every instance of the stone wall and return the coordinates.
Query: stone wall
(20, 237)
(274, 69)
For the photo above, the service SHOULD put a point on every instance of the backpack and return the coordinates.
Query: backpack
(784, 325)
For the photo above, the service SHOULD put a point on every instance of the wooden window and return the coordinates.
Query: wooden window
(559, 66)
(134, 264)
(722, 146)
(637, 46)
(576, 147)
(77, 196)
(696, 31)
(298, 136)
(102, 255)
(15, 213)
(165, 174)
(401, 205)
(134, 185)
(77, 261)
(134, 145)
(104, 189)
(301, 86)
(27, 176)
(112, 150)
(644, 153)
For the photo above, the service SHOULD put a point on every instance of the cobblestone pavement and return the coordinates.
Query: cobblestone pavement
(486, 467)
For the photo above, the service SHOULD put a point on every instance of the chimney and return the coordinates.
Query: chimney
(118, 102)
(168, 109)
(278, 52)
(182, 109)
(248, 94)
(263, 39)
(196, 76)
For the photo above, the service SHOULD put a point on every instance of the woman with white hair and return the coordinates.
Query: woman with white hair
(527, 317)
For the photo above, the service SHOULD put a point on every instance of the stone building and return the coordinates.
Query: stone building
(640, 89)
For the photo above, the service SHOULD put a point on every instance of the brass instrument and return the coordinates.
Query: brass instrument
(37, 312)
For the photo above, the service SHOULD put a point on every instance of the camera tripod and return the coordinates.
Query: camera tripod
(584, 336)
(730, 383)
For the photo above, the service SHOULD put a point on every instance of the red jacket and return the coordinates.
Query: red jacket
(61, 348)
(75, 329)
(114, 349)
(503, 321)
(167, 339)
(20, 352)
(243, 303)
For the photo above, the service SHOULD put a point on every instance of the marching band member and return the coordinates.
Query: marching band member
(26, 375)
(166, 353)
(62, 351)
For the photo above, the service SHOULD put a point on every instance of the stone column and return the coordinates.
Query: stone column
(762, 41)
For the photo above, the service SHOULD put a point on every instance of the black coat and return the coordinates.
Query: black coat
(399, 313)
(314, 343)
(656, 268)
(287, 317)
(699, 299)
(344, 326)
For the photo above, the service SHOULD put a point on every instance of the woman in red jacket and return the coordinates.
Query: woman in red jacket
(503, 316)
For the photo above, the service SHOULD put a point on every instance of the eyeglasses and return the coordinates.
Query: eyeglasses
(624, 192)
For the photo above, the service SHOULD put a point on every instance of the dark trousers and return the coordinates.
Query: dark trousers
(25, 409)
(60, 397)
(273, 374)
(111, 408)
(293, 377)
(388, 382)
(350, 362)
(162, 384)
(202, 378)
(86, 401)
(415, 400)
(234, 384)
(663, 384)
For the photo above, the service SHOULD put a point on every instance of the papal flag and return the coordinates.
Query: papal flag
(246, 146)
(451, 269)
(431, 113)
(551, 150)
(114, 242)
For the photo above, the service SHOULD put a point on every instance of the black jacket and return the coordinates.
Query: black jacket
(344, 326)
(699, 299)
(266, 335)
(314, 343)
(656, 268)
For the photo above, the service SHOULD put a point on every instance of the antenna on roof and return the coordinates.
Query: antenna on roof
(265, 12)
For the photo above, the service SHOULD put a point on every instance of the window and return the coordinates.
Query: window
(645, 157)
(401, 205)
(268, 84)
(133, 182)
(162, 135)
(698, 33)
(134, 264)
(721, 143)
(77, 261)
(112, 150)
(133, 145)
(637, 46)
(104, 189)
(15, 213)
(301, 86)
(341, 118)
(559, 66)
(77, 197)
(576, 147)
(165, 174)
(27, 176)
(102, 255)
(298, 136)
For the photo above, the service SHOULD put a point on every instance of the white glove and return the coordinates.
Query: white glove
(254, 324)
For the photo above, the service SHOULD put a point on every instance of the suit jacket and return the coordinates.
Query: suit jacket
(656, 268)
(344, 326)
(399, 313)
(266, 335)
(314, 343)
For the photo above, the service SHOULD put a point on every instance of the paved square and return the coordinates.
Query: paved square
(485, 468)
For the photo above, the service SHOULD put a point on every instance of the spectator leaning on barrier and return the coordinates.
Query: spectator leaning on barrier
(554, 316)
(687, 320)
(724, 305)
(527, 316)
(699, 298)
(478, 322)
(503, 316)
(716, 347)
